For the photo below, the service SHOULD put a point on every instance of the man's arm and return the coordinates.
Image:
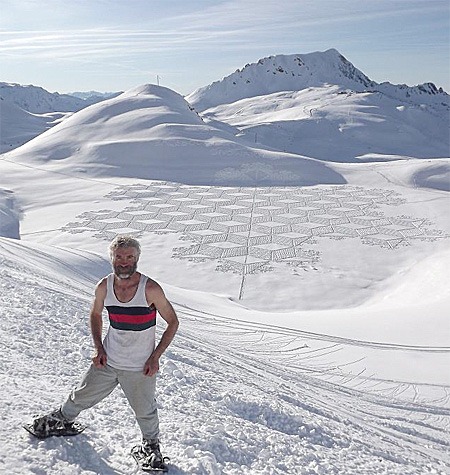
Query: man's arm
(156, 296)
(96, 322)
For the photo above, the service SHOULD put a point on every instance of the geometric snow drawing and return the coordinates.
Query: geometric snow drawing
(249, 229)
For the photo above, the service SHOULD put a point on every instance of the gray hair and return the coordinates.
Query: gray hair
(124, 241)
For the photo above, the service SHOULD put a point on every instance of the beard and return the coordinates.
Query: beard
(125, 272)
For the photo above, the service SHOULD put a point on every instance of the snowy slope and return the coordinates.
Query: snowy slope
(154, 129)
(281, 73)
(10, 215)
(297, 72)
(18, 126)
(331, 124)
(314, 319)
(320, 105)
(28, 111)
(235, 397)
(37, 100)
(248, 227)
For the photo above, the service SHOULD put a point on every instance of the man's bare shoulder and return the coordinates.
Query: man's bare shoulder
(152, 285)
(101, 285)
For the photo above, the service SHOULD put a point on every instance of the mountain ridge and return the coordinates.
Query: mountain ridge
(300, 71)
(295, 104)
(301, 104)
(37, 100)
(27, 111)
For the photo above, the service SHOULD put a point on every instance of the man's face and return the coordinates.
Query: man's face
(124, 262)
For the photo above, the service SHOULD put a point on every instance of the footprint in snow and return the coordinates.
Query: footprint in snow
(171, 369)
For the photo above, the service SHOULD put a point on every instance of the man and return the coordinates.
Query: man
(127, 355)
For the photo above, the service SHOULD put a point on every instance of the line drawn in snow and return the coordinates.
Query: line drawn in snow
(256, 173)
(248, 230)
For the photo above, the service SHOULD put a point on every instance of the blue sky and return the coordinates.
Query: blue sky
(110, 45)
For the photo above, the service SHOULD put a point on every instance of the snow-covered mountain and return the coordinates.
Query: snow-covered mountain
(27, 111)
(94, 96)
(303, 103)
(39, 101)
(297, 104)
(334, 125)
(302, 71)
(154, 128)
(18, 126)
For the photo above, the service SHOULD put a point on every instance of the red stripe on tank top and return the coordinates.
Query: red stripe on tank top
(122, 318)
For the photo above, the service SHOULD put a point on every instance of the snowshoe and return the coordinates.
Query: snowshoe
(53, 424)
(149, 458)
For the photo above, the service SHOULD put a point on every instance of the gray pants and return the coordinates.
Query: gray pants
(100, 382)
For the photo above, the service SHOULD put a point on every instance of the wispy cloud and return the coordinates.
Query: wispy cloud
(61, 44)
(150, 33)
(225, 25)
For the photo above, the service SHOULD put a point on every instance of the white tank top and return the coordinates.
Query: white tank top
(130, 338)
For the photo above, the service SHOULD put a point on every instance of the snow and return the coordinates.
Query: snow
(331, 123)
(299, 72)
(19, 126)
(312, 292)
(39, 101)
(28, 111)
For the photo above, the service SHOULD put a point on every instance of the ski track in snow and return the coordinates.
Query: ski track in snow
(235, 397)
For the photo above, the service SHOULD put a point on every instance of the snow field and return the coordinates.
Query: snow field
(298, 352)
(229, 403)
